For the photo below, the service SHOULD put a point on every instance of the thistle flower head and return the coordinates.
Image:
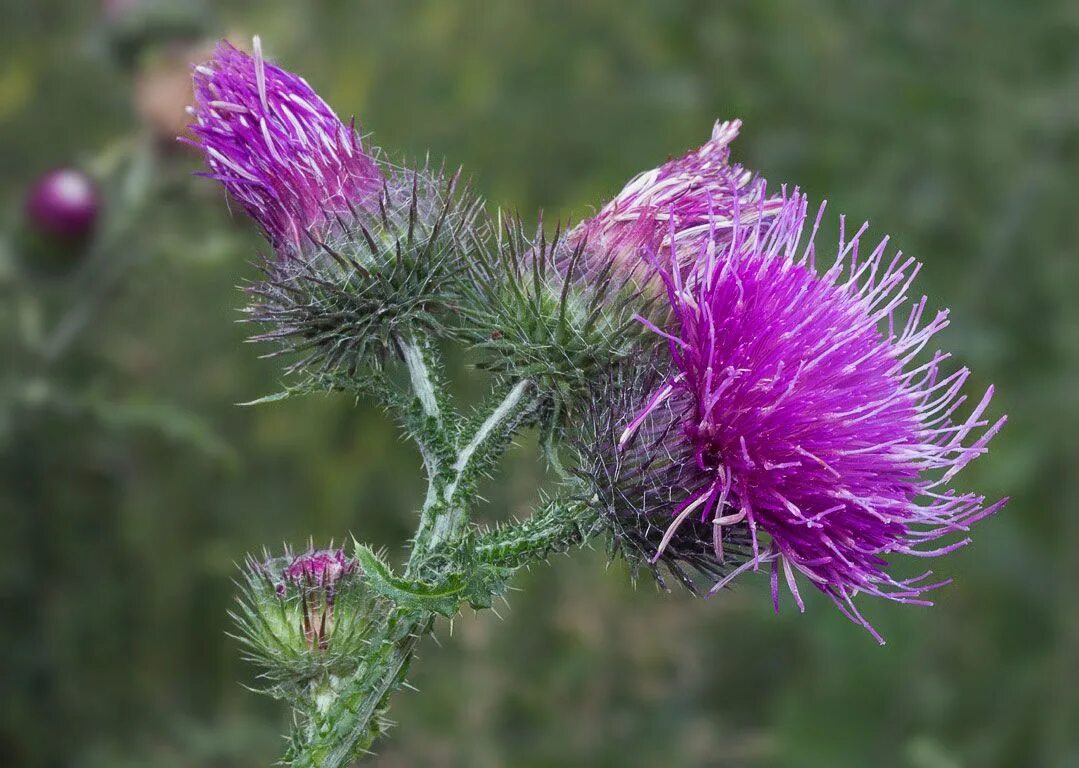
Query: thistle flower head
(278, 148)
(364, 250)
(680, 203)
(538, 310)
(799, 414)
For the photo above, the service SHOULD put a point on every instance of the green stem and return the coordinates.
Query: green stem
(336, 733)
(496, 429)
(430, 433)
(419, 372)
(347, 728)
(556, 527)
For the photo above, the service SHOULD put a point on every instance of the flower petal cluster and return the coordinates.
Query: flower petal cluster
(804, 415)
(278, 148)
(315, 575)
(683, 202)
(318, 569)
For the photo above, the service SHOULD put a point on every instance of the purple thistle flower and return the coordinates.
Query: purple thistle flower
(316, 574)
(801, 416)
(278, 148)
(684, 201)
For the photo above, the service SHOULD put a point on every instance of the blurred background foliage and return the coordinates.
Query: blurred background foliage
(130, 483)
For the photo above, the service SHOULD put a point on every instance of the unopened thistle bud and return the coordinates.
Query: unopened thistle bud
(64, 204)
(303, 615)
(60, 215)
(541, 310)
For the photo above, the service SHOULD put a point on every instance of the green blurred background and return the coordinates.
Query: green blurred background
(130, 482)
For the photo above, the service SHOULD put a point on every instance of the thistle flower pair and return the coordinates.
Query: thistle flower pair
(787, 420)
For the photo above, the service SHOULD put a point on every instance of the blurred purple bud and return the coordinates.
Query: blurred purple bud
(64, 204)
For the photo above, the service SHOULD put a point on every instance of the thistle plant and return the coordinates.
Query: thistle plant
(711, 402)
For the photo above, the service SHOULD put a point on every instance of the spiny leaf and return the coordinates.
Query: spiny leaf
(443, 598)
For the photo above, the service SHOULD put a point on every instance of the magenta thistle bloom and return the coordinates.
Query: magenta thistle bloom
(278, 148)
(804, 418)
(684, 201)
(316, 574)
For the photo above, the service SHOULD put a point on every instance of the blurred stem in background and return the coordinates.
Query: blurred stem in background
(70, 250)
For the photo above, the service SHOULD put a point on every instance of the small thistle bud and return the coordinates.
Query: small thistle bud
(64, 204)
(302, 615)
(278, 148)
(541, 310)
(798, 428)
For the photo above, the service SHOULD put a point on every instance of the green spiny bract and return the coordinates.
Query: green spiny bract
(544, 310)
(630, 485)
(378, 274)
(304, 622)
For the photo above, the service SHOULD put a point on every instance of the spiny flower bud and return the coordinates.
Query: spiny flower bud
(301, 616)
(279, 149)
(540, 311)
(798, 420)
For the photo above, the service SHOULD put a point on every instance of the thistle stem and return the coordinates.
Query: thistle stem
(348, 727)
(557, 526)
(501, 423)
(349, 724)
(419, 372)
